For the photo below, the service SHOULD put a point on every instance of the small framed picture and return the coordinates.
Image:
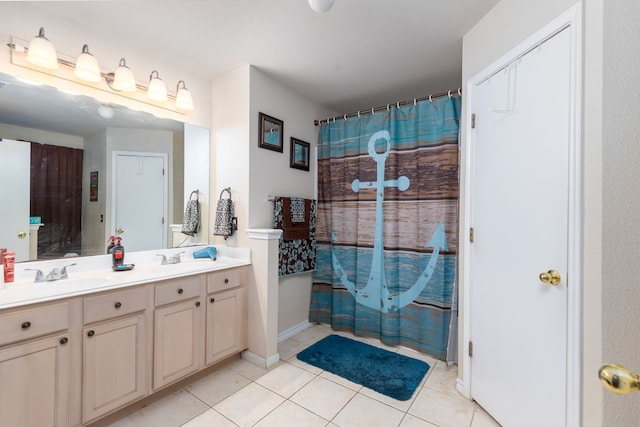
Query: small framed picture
(271, 133)
(300, 154)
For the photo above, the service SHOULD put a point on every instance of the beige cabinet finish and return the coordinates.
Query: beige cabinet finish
(178, 337)
(34, 383)
(76, 360)
(114, 365)
(226, 324)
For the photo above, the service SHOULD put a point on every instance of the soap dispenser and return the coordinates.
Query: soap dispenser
(117, 253)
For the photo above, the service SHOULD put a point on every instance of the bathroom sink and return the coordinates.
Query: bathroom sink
(79, 282)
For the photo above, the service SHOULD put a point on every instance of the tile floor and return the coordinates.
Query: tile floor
(296, 394)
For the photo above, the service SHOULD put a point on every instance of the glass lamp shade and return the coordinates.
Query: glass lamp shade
(123, 79)
(42, 52)
(320, 6)
(87, 67)
(157, 91)
(183, 97)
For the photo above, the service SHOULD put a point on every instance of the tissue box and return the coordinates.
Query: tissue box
(35, 220)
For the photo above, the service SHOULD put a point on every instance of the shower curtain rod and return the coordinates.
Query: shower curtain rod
(374, 110)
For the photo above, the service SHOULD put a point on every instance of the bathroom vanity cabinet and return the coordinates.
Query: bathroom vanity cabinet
(35, 366)
(114, 362)
(70, 362)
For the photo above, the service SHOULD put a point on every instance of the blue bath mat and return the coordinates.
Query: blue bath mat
(388, 373)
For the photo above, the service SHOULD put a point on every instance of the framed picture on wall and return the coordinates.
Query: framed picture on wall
(300, 154)
(271, 131)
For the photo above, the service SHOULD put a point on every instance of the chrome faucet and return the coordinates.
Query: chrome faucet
(53, 275)
(175, 259)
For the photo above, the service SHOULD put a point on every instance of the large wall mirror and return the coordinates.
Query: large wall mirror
(74, 171)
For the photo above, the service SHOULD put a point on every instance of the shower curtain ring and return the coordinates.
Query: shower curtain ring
(459, 91)
(430, 99)
(387, 107)
(449, 93)
(414, 102)
(345, 118)
(398, 105)
(358, 114)
(373, 113)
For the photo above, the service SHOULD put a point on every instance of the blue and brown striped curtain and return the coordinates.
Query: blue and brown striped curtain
(387, 225)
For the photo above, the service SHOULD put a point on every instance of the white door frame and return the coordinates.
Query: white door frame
(573, 20)
(112, 218)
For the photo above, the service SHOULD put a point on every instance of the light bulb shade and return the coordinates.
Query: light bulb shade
(183, 97)
(123, 79)
(87, 67)
(157, 91)
(42, 52)
(320, 6)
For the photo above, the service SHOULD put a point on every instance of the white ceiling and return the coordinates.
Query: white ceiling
(360, 54)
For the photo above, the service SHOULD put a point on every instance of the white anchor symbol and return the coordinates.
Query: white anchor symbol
(375, 294)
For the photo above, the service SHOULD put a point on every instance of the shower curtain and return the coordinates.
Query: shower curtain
(387, 225)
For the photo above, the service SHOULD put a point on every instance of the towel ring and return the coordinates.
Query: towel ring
(228, 190)
(196, 192)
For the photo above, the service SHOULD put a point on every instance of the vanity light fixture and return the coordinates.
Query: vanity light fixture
(183, 97)
(87, 67)
(123, 79)
(157, 91)
(320, 6)
(41, 52)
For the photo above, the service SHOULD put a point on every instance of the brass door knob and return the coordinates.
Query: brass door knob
(120, 231)
(22, 234)
(550, 277)
(619, 379)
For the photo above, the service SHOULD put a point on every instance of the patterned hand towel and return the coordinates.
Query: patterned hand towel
(191, 223)
(224, 225)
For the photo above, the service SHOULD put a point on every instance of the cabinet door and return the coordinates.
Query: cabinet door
(178, 338)
(114, 366)
(226, 324)
(34, 383)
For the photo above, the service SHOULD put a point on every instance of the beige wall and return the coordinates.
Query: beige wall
(238, 98)
(621, 207)
(508, 24)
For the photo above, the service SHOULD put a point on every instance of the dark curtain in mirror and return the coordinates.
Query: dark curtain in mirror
(56, 197)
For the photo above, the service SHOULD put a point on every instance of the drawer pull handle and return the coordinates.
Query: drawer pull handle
(26, 325)
(198, 304)
(212, 299)
(226, 280)
(180, 290)
(64, 340)
(118, 305)
(91, 333)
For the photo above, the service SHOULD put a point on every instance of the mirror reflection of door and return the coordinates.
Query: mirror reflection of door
(140, 188)
(14, 194)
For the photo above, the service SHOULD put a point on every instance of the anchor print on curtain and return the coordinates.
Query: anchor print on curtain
(387, 225)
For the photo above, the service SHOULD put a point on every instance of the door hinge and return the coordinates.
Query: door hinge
(470, 349)
(162, 171)
(472, 235)
(163, 220)
(473, 120)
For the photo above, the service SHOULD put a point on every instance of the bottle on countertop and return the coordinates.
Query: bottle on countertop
(8, 261)
(117, 253)
(110, 244)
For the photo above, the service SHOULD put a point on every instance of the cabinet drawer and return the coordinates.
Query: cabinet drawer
(114, 304)
(178, 290)
(25, 324)
(225, 279)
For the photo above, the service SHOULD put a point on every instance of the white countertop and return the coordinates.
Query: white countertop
(94, 274)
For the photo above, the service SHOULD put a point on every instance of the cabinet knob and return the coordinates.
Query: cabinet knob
(197, 303)
(26, 325)
(212, 299)
(118, 304)
(64, 340)
(91, 333)
(226, 280)
(180, 290)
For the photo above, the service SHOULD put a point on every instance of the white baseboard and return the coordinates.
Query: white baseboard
(259, 360)
(294, 330)
(460, 388)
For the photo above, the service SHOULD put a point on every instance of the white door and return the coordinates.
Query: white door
(15, 188)
(520, 199)
(140, 200)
